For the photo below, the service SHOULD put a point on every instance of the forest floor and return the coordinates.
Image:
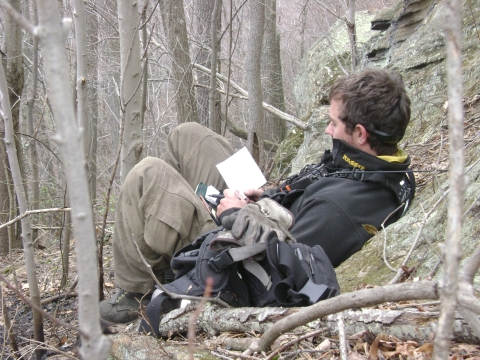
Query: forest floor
(63, 343)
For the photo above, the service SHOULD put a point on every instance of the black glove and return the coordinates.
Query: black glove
(254, 222)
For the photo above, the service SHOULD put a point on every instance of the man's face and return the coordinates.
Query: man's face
(336, 128)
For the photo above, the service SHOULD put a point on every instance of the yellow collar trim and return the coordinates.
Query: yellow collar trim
(399, 157)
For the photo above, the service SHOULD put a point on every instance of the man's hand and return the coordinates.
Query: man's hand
(254, 222)
(232, 199)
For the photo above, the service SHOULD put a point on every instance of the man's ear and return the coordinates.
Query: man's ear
(360, 135)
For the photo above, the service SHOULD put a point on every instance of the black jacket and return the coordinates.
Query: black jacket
(332, 211)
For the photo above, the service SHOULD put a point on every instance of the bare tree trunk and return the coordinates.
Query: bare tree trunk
(302, 30)
(173, 18)
(95, 345)
(93, 30)
(22, 203)
(145, 66)
(256, 117)
(82, 81)
(213, 98)
(204, 10)
(130, 89)
(275, 128)
(352, 34)
(14, 77)
(453, 236)
(32, 144)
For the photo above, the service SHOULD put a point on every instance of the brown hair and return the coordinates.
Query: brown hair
(376, 99)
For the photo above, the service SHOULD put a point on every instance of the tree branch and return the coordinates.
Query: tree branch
(19, 18)
(271, 109)
(367, 297)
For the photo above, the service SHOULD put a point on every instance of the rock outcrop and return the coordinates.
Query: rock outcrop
(407, 37)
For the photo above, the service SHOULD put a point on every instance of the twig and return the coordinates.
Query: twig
(194, 316)
(237, 355)
(220, 356)
(293, 342)
(385, 238)
(8, 326)
(56, 297)
(30, 212)
(43, 346)
(404, 306)
(44, 313)
(417, 238)
(107, 204)
(341, 336)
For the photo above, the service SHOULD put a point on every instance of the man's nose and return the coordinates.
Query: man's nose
(329, 129)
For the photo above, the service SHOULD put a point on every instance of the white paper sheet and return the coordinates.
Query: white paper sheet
(241, 172)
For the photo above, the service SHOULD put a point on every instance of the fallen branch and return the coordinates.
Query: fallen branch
(361, 298)
(30, 212)
(406, 324)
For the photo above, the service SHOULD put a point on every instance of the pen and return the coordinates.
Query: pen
(217, 196)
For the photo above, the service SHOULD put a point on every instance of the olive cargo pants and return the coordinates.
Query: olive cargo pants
(158, 208)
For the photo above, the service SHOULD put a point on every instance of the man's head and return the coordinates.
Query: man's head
(369, 110)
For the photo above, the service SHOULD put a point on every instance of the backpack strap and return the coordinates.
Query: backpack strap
(231, 255)
(244, 253)
(259, 272)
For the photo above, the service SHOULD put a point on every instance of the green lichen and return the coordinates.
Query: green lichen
(286, 152)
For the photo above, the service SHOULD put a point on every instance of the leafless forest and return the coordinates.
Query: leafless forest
(88, 88)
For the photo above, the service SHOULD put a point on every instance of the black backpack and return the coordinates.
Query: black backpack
(272, 273)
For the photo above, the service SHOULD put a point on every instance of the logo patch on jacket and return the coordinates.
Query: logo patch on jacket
(353, 163)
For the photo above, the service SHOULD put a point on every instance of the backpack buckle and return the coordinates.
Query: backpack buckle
(221, 261)
(358, 174)
(315, 292)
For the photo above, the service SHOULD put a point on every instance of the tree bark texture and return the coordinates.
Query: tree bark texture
(130, 88)
(173, 18)
(405, 324)
(68, 138)
(453, 236)
(352, 32)
(275, 127)
(256, 132)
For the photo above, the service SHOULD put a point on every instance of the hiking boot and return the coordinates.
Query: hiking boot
(123, 307)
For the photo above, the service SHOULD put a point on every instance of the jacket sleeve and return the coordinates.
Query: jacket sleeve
(320, 221)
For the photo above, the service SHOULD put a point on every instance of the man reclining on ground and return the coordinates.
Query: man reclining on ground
(360, 182)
